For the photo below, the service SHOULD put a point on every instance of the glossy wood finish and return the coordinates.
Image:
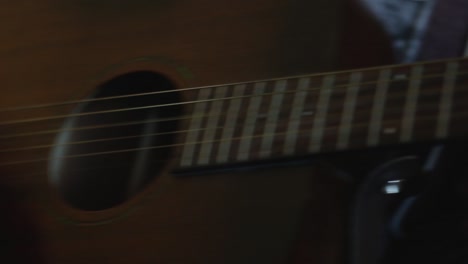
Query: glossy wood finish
(53, 51)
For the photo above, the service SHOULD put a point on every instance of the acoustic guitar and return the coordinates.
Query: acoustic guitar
(114, 151)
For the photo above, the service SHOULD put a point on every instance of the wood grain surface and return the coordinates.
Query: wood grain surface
(53, 51)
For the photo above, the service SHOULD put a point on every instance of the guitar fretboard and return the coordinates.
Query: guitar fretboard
(327, 112)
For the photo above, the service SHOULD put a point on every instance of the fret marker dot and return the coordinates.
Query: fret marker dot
(400, 77)
(389, 130)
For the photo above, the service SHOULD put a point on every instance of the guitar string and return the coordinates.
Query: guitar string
(255, 81)
(56, 117)
(155, 120)
(302, 131)
(47, 118)
(331, 109)
(148, 121)
(368, 69)
(143, 135)
(360, 107)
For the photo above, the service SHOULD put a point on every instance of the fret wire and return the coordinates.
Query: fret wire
(189, 149)
(254, 107)
(320, 117)
(272, 116)
(228, 131)
(209, 134)
(443, 119)
(378, 108)
(294, 118)
(348, 111)
(411, 104)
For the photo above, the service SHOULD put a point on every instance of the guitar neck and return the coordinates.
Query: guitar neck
(327, 112)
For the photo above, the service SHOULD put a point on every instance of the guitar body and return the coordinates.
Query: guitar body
(54, 51)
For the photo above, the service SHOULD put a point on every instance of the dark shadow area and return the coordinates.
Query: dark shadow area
(19, 240)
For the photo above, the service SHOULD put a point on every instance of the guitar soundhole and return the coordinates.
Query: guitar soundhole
(101, 160)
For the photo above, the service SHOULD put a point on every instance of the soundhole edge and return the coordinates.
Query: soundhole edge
(112, 146)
